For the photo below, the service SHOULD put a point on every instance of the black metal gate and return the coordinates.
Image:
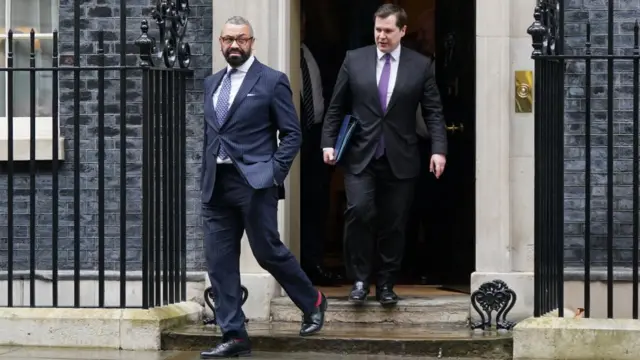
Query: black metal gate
(551, 61)
(79, 227)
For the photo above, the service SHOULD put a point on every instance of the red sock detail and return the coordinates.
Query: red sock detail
(319, 301)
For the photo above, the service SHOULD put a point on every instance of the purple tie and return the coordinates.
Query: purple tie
(383, 88)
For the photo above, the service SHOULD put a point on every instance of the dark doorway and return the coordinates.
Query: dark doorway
(441, 234)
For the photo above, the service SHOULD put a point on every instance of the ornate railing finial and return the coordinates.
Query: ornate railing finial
(146, 44)
(537, 31)
(172, 19)
(545, 30)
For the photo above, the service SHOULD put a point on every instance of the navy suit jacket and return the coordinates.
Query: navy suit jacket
(261, 112)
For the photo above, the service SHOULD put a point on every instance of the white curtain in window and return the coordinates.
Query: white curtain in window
(42, 17)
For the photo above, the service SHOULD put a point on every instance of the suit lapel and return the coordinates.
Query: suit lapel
(247, 84)
(208, 103)
(402, 77)
(371, 64)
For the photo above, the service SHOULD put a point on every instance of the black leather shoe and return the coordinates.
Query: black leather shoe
(359, 292)
(228, 349)
(386, 296)
(312, 323)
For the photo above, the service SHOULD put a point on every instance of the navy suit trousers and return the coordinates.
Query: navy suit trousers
(235, 207)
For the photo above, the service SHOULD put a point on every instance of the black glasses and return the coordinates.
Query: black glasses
(228, 40)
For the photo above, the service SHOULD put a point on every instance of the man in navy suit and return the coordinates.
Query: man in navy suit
(247, 107)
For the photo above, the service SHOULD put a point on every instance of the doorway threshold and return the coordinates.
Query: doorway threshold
(403, 291)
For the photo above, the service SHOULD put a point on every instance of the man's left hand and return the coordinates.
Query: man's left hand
(437, 164)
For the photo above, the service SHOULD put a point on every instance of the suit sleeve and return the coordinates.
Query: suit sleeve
(432, 113)
(204, 135)
(338, 107)
(290, 135)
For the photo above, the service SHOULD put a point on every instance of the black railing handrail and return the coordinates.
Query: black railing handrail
(585, 57)
(92, 68)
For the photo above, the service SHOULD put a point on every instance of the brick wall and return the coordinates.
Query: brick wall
(96, 15)
(577, 12)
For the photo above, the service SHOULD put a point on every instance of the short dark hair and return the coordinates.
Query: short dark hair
(386, 10)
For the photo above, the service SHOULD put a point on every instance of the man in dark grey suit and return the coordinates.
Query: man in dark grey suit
(246, 104)
(382, 85)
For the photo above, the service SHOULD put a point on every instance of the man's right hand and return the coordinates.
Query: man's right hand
(329, 156)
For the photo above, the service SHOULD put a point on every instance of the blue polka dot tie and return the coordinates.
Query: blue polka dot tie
(222, 106)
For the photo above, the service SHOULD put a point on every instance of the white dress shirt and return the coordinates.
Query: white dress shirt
(316, 84)
(236, 82)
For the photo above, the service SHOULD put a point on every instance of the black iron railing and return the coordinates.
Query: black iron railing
(551, 61)
(67, 237)
(549, 147)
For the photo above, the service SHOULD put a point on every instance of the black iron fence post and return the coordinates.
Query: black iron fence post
(10, 171)
(164, 149)
(146, 44)
(123, 156)
(537, 32)
(546, 32)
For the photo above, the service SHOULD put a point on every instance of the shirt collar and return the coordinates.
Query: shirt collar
(244, 67)
(395, 54)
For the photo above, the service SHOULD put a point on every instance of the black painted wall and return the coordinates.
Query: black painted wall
(105, 15)
(577, 13)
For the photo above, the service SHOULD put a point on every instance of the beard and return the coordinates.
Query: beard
(236, 56)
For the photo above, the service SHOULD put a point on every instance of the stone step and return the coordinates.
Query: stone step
(425, 340)
(450, 309)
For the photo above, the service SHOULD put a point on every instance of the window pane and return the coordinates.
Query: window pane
(41, 15)
(3, 16)
(21, 79)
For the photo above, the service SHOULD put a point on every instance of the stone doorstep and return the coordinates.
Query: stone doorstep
(127, 329)
(551, 337)
(353, 339)
(452, 310)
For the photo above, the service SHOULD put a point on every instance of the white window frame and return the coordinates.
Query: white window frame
(22, 125)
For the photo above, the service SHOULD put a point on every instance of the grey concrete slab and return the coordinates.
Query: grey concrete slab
(43, 353)
(6, 349)
(9, 353)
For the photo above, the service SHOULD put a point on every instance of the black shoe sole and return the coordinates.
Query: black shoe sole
(357, 301)
(238, 355)
(388, 303)
(312, 333)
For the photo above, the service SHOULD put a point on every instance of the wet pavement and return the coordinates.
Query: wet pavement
(15, 353)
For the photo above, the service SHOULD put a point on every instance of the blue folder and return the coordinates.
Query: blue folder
(346, 131)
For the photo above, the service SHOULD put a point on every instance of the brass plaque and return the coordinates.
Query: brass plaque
(524, 91)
